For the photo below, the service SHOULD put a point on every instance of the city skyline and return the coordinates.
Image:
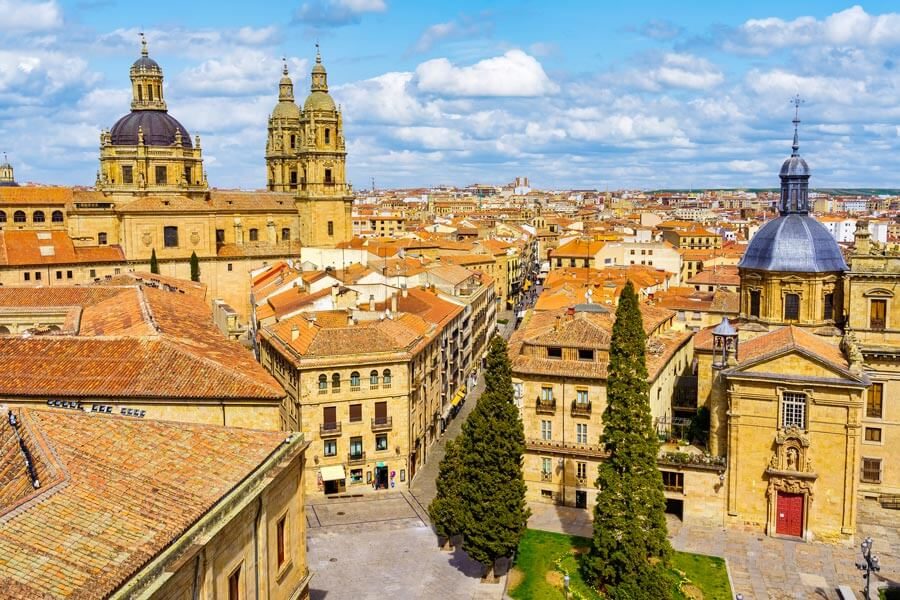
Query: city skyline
(652, 98)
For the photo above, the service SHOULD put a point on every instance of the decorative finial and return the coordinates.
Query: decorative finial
(796, 101)
(144, 45)
(318, 56)
(284, 70)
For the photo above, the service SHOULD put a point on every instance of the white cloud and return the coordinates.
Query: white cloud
(387, 99)
(462, 28)
(687, 71)
(336, 13)
(781, 83)
(241, 72)
(41, 73)
(748, 166)
(513, 74)
(18, 15)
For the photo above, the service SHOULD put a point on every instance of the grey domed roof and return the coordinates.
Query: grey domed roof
(157, 126)
(146, 63)
(793, 242)
(794, 166)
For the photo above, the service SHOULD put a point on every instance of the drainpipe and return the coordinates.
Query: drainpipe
(256, 544)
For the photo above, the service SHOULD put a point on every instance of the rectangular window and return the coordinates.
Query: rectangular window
(828, 307)
(871, 470)
(93, 273)
(581, 435)
(327, 136)
(160, 175)
(585, 354)
(234, 584)
(581, 396)
(754, 303)
(330, 448)
(37, 276)
(793, 410)
(791, 307)
(547, 394)
(874, 401)
(328, 176)
(873, 434)
(101, 238)
(554, 352)
(356, 476)
(170, 236)
(68, 274)
(356, 447)
(279, 539)
(381, 443)
(187, 175)
(381, 413)
(127, 175)
(59, 274)
(546, 466)
(329, 417)
(581, 470)
(285, 234)
(546, 430)
(230, 267)
(673, 481)
(878, 312)
(330, 228)
(220, 236)
(27, 276)
(355, 413)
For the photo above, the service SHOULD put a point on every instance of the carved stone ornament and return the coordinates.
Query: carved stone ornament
(789, 486)
(791, 458)
(147, 238)
(195, 237)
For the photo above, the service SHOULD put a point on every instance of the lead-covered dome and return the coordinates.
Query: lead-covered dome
(794, 166)
(158, 128)
(793, 242)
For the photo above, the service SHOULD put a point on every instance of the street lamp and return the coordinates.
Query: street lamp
(868, 564)
(566, 586)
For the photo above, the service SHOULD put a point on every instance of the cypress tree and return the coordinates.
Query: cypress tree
(195, 267)
(154, 265)
(446, 509)
(492, 486)
(629, 557)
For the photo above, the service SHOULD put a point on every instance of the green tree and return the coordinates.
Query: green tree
(629, 557)
(446, 509)
(195, 267)
(154, 264)
(492, 487)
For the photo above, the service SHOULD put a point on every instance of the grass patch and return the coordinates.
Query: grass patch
(544, 557)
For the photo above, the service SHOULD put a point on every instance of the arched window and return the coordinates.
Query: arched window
(386, 377)
(254, 235)
(57, 216)
(354, 379)
(4, 329)
(373, 379)
(336, 381)
(170, 236)
(285, 234)
(323, 382)
(2, 216)
(38, 216)
(19, 216)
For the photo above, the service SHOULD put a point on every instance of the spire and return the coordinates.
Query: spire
(318, 55)
(795, 148)
(284, 70)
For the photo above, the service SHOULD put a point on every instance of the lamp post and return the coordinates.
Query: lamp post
(868, 564)
(566, 586)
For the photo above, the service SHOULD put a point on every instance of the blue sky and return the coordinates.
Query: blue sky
(570, 94)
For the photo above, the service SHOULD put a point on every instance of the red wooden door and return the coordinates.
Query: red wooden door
(789, 516)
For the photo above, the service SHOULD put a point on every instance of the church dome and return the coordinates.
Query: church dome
(318, 101)
(145, 63)
(286, 110)
(796, 243)
(157, 126)
(794, 166)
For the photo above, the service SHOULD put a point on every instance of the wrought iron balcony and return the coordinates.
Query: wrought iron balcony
(581, 409)
(356, 459)
(382, 424)
(329, 430)
(545, 405)
(545, 476)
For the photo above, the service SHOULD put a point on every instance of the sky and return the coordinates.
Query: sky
(602, 95)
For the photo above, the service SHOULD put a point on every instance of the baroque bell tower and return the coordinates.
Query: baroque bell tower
(324, 199)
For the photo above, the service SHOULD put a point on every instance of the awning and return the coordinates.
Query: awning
(332, 473)
(457, 398)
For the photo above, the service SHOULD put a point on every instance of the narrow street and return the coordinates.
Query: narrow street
(423, 488)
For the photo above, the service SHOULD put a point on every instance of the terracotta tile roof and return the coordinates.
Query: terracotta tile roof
(221, 201)
(787, 338)
(114, 493)
(468, 259)
(452, 274)
(33, 195)
(577, 248)
(26, 248)
(126, 338)
(425, 304)
(719, 275)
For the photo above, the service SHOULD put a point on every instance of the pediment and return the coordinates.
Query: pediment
(793, 362)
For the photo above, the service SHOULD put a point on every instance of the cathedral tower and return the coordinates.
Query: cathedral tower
(324, 199)
(285, 139)
(7, 178)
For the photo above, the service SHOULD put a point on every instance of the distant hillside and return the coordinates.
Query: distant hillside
(832, 191)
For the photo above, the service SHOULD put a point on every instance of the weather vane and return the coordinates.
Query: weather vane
(797, 101)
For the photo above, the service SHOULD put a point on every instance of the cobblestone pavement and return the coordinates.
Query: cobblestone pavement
(382, 546)
(761, 567)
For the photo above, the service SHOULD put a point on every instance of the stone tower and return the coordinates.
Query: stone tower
(7, 178)
(324, 199)
(285, 139)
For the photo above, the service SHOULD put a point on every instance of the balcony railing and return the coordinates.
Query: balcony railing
(545, 476)
(356, 459)
(329, 429)
(582, 481)
(382, 423)
(581, 409)
(545, 405)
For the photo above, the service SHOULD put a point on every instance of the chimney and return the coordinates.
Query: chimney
(334, 293)
(372, 302)
(350, 320)
(556, 326)
(312, 320)
(295, 333)
(403, 290)
(394, 303)
(570, 313)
